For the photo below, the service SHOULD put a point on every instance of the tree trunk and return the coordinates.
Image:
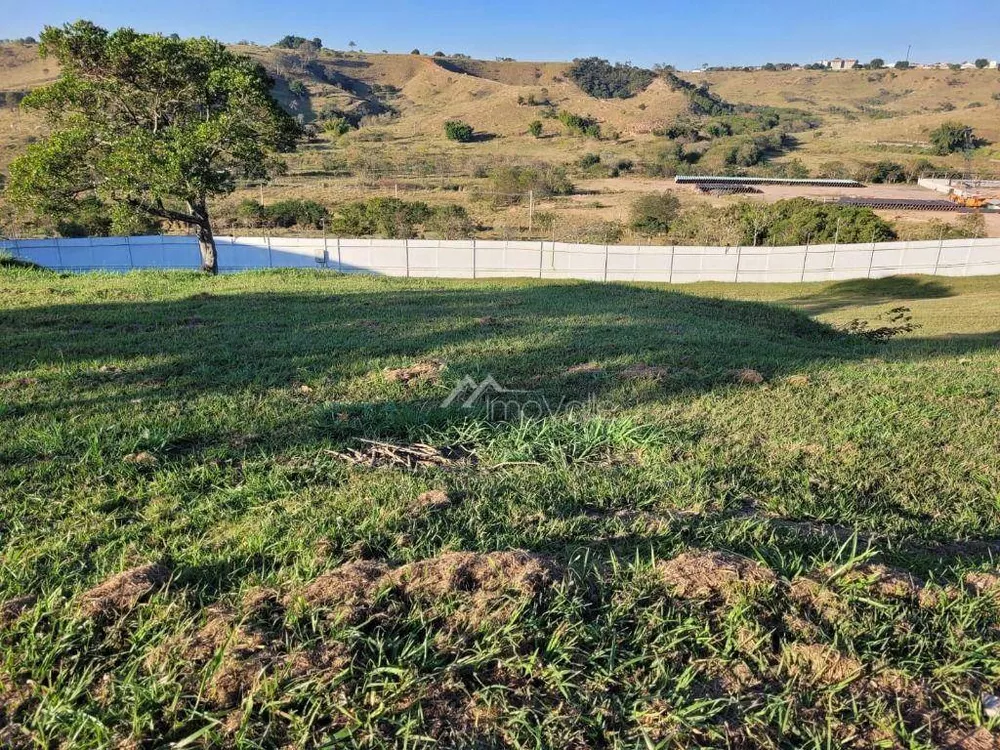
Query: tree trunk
(206, 240)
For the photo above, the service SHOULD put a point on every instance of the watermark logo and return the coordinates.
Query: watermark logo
(507, 403)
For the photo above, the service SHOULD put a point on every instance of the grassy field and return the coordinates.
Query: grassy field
(720, 520)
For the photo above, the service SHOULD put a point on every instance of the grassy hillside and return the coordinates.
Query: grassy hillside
(237, 514)
(839, 121)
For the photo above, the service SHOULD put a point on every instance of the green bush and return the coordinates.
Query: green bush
(391, 218)
(653, 214)
(589, 160)
(882, 172)
(536, 128)
(456, 130)
(580, 125)
(602, 80)
(799, 221)
(283, 214)
(509, 185)
(298, 89)
(337, 126)
(951, 137)
(450, 222)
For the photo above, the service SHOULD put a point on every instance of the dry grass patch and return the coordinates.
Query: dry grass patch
(645, 372)
(820, 665)
(431, 500)
(711, 575)
(348, 591)
(122, 592)
(428, 370)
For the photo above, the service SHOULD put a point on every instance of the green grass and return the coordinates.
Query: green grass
(196, 423)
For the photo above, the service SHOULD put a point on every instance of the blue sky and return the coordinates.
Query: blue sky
(686, 34)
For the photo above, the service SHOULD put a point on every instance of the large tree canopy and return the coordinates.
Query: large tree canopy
(149, 126)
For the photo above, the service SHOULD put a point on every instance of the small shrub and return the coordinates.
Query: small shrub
(580, 125)
(589, 160)
(510, 185)
(456, 130)
(283, 214)
(536, 128)
(337, 126)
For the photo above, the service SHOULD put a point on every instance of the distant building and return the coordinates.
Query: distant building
(838, 63)
(993, 65)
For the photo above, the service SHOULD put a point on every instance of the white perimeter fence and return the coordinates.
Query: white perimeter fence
(546, 260)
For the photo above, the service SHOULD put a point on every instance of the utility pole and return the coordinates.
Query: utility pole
(909, 48)
(531, 209)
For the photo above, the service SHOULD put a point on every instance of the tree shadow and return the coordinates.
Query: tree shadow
(871, 292)
(560, 343)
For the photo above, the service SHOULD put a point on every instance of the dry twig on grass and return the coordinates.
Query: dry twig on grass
(417, 455)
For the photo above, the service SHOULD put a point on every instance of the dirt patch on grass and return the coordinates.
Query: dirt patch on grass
(979, 739)
(711, 575)
(814, 596)
(584, 368)
(886, 582)
(122, 592)
(983, 582)
(12, 609)
(488, 586)
(6, 385)
(142, 458)
(820, 665)
(430, 501)
(469, 588)
(645, 372)
(421, 371)
(748, 376)
(348, 591)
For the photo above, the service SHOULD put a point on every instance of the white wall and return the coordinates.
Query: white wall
(497, 258)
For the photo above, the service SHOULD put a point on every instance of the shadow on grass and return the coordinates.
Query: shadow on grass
(527, 336)
(871, 292)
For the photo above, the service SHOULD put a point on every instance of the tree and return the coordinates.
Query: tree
(456, 130)
(877, 63)
(150, 126)
(536, 128)
(653, 214)
(982, 62)
(352, 44)
(950, 137)
(414, 51)
(902, 65)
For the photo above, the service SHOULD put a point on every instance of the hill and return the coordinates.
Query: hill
(393, 109)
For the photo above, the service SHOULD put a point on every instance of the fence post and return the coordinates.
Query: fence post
(541, 257)
(937, 260)
(406, 250)
(270, 258)
(670, 270)
(473, 257)
(606, 253)
(326, 249)
(59, 254)
(128, 246)
(340, 262)
(871, 262)
(805, 261)
(739, 255)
